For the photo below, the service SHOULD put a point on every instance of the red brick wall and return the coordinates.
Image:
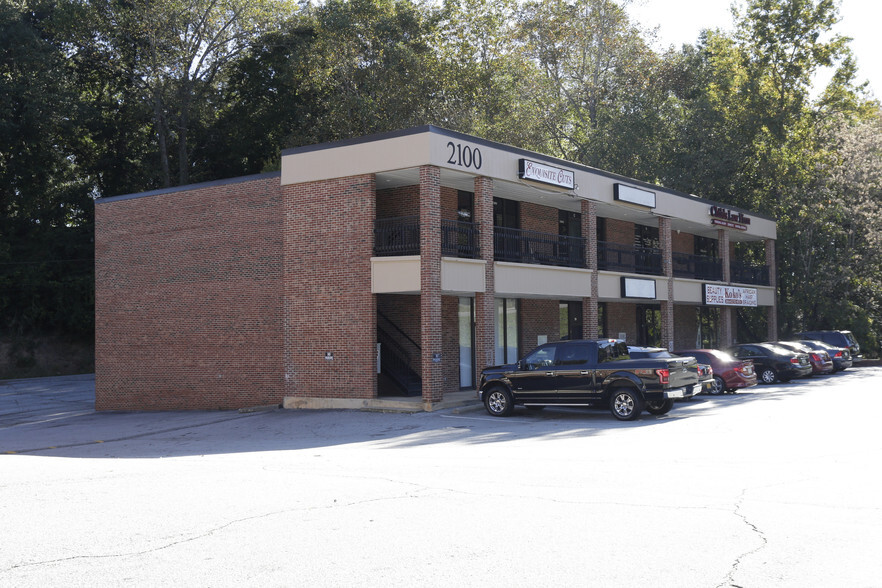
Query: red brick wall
(621, 318)
(449, 203)
(188, 299)
(618, 231)
(450, 342)
(535, 217)
(328, 302)
(683, 242)
(538, 317)
(685, 326)
(395, 202)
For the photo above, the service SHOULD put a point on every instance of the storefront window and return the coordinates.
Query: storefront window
(648, 325)
(571, 320)
(707, 336)
(466, 343)
(506, 330)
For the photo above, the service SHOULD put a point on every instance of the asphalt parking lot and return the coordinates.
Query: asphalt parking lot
(774, 486)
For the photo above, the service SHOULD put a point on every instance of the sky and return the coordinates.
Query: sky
(681, 21)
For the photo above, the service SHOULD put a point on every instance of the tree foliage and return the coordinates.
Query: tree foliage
(106, 97)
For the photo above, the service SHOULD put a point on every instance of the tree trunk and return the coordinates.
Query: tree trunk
(160, 138)
(183, 124)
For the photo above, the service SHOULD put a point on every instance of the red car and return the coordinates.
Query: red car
(822, 363)
(730, 374)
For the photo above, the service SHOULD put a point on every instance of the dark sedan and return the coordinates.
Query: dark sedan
(841, 356)
(819, 358)
(730, 373)
(772, 363)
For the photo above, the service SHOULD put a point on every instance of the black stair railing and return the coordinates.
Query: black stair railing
(397, 353)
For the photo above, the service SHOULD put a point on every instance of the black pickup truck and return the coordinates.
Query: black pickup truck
(589, 373)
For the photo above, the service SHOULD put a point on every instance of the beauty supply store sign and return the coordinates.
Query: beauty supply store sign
(715, 295)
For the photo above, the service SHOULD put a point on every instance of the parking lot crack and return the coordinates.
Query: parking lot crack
(730, 577)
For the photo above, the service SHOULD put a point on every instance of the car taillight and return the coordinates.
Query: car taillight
(664, 375)
(795, 360)
(816, 357)
(838, 354)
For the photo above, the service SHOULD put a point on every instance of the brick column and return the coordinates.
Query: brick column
(727, 324)
(772, 312)
(667, 306)
(485, 302)
(430, 283)
(590, 325)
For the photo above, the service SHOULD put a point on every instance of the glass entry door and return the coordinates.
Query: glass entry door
(466, 343)
(506, 330)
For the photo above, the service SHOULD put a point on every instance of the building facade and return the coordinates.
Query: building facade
(400, 265)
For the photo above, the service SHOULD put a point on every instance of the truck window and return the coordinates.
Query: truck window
(572, 355)
(612, 351)
(542, 357)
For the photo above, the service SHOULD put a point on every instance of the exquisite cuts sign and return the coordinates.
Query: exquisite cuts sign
(546, 174)
(716, 295)
(729, 218)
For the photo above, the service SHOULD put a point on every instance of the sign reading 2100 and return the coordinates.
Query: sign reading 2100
(464, 155)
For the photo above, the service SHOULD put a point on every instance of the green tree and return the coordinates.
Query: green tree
(45, 203)
(175, 54)
(603, 93)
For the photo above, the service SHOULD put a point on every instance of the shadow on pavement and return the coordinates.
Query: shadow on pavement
(55, 417)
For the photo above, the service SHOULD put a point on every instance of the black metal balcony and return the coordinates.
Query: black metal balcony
(520, 246)
(742, 273)
(628, 258)
(698, 267)
(397, 236)
(459, 239)
(401, 236)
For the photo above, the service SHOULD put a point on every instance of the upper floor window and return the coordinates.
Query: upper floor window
(569, 223)
(465, 206)
(705, 246)
(506, 213)
(645, 236)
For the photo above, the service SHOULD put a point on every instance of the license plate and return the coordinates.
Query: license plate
(677, 393)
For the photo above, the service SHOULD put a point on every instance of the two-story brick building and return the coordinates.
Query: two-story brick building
(401, 264)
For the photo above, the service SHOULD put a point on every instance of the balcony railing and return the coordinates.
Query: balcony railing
(459, 239)
(698, 267)
(401, 236)
(743, 273)
(397, 236)
(628, 258)
(522, 246)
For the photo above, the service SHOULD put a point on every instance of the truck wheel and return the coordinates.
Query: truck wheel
(768, 376)
(625, 404)
(498, 402)
(719, 386)
(660, 406)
